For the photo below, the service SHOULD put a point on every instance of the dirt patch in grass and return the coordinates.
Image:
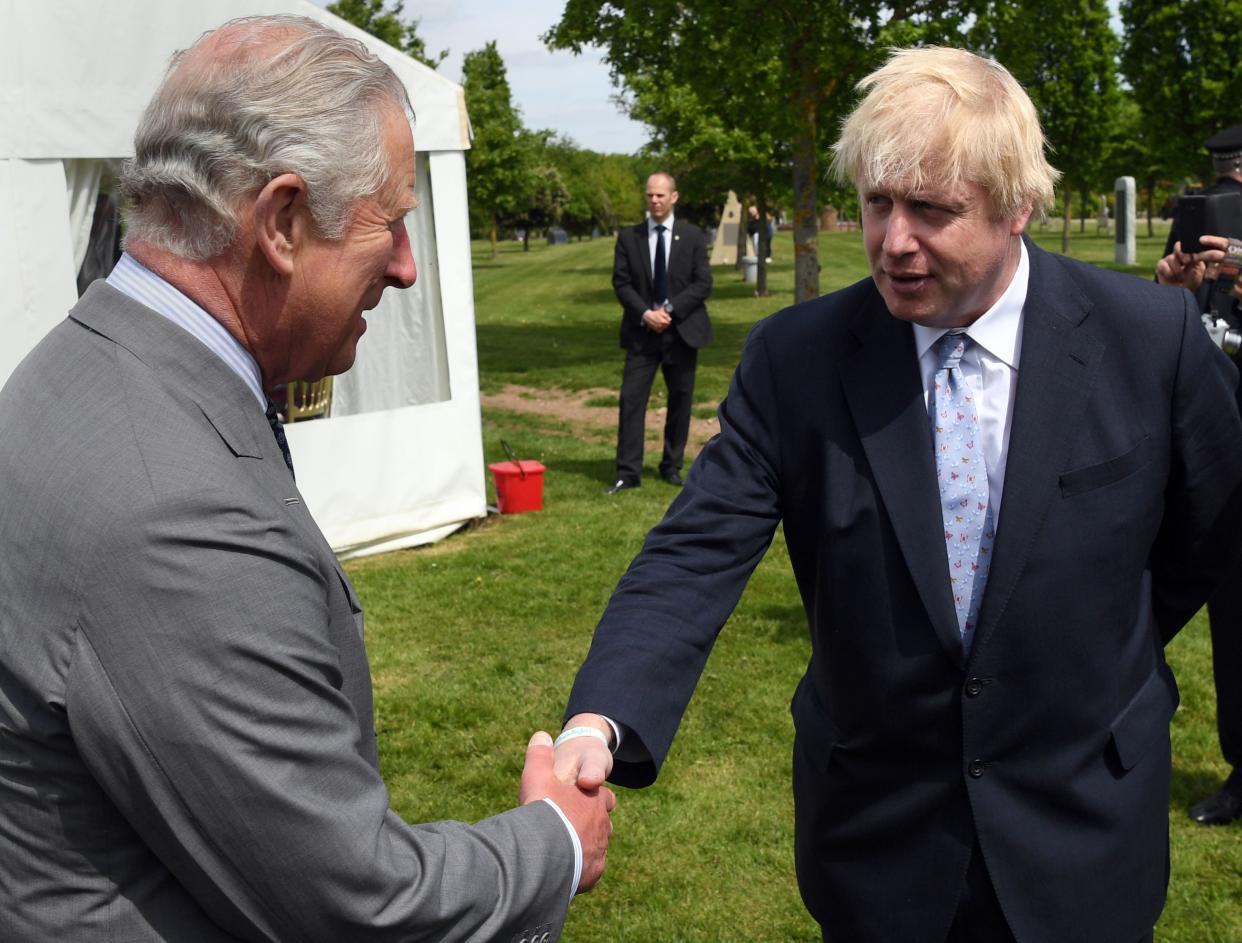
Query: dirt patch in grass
(594, 422)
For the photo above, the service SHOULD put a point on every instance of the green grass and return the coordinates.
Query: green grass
(474, 641)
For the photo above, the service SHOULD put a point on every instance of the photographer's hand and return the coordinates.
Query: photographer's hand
(1186, 269)
(1189, 269)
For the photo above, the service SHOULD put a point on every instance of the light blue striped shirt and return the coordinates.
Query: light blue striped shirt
(137, 281)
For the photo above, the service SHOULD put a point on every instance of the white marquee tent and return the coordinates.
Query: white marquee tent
(400, 460)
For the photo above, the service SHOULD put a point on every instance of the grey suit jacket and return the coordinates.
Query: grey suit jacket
(187, 749)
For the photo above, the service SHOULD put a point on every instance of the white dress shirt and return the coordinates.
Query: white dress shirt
(990, 366)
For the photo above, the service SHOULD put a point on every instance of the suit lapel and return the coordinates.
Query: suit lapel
(884, 390)
(1058, 366)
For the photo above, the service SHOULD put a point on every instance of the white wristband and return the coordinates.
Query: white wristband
(573, 732)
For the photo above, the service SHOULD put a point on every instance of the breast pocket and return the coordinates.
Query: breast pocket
(1082, 480)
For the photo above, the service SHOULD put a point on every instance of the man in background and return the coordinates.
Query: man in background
(1005, 479)
(187, 748)
(662, 278)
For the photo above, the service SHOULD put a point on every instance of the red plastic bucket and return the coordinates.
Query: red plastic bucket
(519, 486)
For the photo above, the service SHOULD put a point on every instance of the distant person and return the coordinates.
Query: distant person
(662, 278)
(1005, 479)
(187, 741)
(752, 229)
(1225, 607)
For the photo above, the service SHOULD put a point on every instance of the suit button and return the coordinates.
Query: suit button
(976, 768)
(974, 687)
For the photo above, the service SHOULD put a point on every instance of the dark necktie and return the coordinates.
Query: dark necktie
(279, 432)
(963, 479)
(659, 279)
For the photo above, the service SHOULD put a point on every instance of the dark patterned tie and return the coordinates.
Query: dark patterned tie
(279, 432)
(963, 479)
(659, 279)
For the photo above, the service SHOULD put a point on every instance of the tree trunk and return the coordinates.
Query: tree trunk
(493, 235)
(1082, 219)
(761, 201)
(1151, 187)
(805, 176)
(743, 240)
(526, 239)
(1065, 222)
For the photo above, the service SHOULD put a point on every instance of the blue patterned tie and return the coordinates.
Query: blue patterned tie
(963, 480)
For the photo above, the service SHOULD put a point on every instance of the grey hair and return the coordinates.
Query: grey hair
(254, 99)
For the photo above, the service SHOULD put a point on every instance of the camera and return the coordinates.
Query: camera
(1223, 336)
(1218, 214)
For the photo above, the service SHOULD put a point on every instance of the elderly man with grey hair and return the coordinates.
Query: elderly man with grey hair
(981, 749)
(187, 748)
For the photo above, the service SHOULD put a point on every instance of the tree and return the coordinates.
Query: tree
(770, 70)
(385, 23)
(499, 164)
(1068, 66)
(603, 190)
(1182, 61)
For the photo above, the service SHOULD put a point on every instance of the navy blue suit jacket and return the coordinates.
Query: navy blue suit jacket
(1050, 743)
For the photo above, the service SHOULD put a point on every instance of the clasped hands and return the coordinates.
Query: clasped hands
(657, 319)
(1189, 269)
(573, 777)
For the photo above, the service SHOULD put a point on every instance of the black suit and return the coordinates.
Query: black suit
(1047, 748)
(674, 350)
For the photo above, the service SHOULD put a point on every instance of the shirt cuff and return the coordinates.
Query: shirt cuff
(573, 837)
(617, 733)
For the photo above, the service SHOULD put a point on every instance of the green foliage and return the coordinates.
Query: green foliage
(1068, 67)
(500, 163)
(604, 190)
(743, 93)
(1182, 61)
(385, 23)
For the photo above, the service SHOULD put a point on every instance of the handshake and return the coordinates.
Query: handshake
(572, 776)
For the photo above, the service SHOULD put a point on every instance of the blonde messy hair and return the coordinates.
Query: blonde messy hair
(936, 116)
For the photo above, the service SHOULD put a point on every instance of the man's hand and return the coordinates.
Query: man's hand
(657, 319)
(586, 809)
(1188, 269)
(585, 761)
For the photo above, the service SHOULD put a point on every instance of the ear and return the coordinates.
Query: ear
(280, 221)
(1018, 223)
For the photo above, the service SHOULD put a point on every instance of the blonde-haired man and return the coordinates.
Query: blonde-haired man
(1006, 479)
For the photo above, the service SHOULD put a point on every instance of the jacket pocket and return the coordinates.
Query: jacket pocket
(1145, 720)
(1106, 473)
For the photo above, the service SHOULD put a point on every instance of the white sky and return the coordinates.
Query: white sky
(566, 93)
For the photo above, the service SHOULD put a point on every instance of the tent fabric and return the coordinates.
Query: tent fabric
(403, 360)
(400, 459)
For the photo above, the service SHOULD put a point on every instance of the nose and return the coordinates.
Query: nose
(898, 235)
(401, 268)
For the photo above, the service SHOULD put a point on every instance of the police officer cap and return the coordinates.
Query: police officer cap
(1227, 144)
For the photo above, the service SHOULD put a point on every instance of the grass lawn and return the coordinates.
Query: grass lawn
(474, 642)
